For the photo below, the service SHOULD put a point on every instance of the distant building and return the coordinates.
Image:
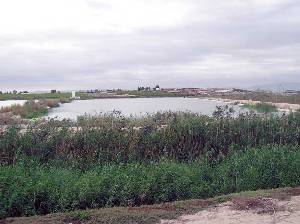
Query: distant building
(74, 96)
(204, 91)
(291, 92)
(157, 88)
(190, 91)
(170, 90)
(224, 91)
(194, 91)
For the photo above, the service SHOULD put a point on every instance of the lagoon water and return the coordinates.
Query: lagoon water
(135, 106)
(7, 103)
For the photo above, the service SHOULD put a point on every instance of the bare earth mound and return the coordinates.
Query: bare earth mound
(246, 211)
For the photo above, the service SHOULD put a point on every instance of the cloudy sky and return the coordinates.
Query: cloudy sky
(80, 44)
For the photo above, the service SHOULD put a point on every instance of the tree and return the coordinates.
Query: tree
(141, 88)
(156, 88)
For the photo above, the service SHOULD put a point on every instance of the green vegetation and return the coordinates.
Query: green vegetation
(261, 107)
(255, 96)
(84, 96)
(110, 160)
(34, 96)
(180, 136)
(30, 110)
(29, 188)
(150, 214)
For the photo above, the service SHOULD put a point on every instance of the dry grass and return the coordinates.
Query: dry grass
(65, 100)
(51, 102)
(263, 97)
(23, 110)
(259, 205)
(265, 201)
(7, 109)
(5, 119)
(31, 109)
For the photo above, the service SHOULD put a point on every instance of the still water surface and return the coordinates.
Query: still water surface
(135, 106)
(7, 103)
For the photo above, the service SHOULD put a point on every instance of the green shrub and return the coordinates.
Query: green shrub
(29, 188)
(262, 107)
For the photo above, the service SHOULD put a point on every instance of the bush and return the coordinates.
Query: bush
(29, 110)
(28, 188)
(262, 107)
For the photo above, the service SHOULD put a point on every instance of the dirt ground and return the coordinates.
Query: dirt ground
(274, 212)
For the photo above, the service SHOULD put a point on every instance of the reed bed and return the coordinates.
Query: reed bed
(31, 109)
(180, 136)
(111, 160)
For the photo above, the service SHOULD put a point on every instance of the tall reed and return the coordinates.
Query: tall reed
(180, 136)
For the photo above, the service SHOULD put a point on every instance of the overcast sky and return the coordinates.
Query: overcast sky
(80, 44)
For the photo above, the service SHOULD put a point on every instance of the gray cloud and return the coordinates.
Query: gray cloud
(217, 43)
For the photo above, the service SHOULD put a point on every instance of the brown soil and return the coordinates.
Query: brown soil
(247, 211)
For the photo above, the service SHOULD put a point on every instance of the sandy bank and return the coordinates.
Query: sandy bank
(289, 213)
(280, 106)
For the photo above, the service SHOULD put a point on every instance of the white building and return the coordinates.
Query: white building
(74, 96)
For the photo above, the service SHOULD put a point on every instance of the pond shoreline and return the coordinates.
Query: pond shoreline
(137, 107)
(286, 107)
(282, 107)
